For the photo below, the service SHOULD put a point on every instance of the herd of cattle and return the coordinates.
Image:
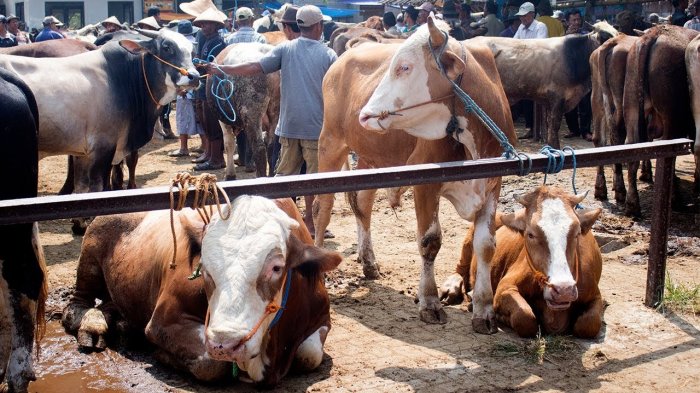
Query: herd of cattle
(261, 303)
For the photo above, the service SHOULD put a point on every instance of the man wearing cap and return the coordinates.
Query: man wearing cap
(694, 10)
(13, 27)
(411, 15)
(423, 11)
(303, 63)
(389, 21)
(244, 18)
(209, 22)
(529, 27)
(50, 31)
(7, 39)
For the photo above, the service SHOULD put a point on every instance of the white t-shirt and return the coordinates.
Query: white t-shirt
(536, 29)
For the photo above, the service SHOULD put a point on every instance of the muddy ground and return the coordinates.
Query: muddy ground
(377, 342)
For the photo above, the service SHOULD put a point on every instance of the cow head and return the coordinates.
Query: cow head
(552, 228)
(603, 31)
(245, 262)
(413, 80)
(172, 48)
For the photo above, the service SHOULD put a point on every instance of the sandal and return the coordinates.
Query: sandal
(199, 159)
(208, 166)
(179, 153)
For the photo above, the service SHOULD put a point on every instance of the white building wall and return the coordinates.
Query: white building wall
(95, 10)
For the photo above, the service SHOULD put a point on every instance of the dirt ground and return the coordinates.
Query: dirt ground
(377, 342)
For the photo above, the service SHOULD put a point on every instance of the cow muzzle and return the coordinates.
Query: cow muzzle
(191, 79)
(373, 122)
(560, 297)
(229, 350)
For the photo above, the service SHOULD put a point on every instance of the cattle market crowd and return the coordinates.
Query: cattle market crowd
(288, 91)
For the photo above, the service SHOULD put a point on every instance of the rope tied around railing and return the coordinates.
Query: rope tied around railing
(206, 191)
(555, 163)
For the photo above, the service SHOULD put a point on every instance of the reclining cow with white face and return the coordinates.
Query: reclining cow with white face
(261, 303)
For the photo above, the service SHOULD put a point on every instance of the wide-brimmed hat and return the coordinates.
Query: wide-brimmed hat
(525, 9)
(210, 15)
(10, 17)
(148, 22)
(290, 15)
(113, 20)
(197, 7)
(309, 15)
(50, 19)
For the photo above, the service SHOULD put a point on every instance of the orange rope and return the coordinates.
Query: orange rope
(145, 78)
(270, 309)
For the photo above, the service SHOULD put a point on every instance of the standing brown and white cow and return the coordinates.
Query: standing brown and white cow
(692, 62)
(261, 302)
(416, 97)
(546, 267)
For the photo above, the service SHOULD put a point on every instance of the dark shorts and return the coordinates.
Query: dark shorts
(207, 117)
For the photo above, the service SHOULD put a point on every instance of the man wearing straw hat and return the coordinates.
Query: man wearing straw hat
(209, 22)
(303, 63)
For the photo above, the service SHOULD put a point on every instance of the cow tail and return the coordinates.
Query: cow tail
(40, 327)
(603, 56)
(646, 42)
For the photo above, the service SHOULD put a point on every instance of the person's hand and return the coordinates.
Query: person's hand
(214, 69)
(572, 30)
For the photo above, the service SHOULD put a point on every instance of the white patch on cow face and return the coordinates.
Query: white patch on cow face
(184, 49)
(233, 254)
(555, 223)
(405, 84)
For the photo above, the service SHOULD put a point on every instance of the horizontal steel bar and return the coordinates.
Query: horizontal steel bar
(155, 198)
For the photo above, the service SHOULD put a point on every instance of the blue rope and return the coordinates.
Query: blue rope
(509, 152)
(555, 160)
(222, 89)
(285, 296)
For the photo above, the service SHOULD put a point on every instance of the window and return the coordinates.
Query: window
(19, 10)
(123, 10)
(72, 14)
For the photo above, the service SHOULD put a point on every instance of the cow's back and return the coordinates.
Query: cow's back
(51, 48)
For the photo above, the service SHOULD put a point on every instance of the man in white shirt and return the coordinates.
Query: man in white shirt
(529, 27)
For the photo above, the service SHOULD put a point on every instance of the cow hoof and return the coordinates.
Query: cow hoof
(435, 317)
(633, 211)
(451, 290)
(79, 226)
(90, 342)
(484, 326)
(371, 272)
(229, 177)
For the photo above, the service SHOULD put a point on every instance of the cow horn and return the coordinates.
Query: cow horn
(147, 33)
(436, 36)
(576, 199)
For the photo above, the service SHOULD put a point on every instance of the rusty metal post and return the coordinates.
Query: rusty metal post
(660, 221)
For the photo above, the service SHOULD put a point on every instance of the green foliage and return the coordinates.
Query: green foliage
(536, 350)
(680, 298)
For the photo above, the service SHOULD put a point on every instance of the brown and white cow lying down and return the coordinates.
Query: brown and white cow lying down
(414, 96)
(547, 241)
(202, 325)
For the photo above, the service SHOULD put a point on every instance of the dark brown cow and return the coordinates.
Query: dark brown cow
(259, 259)
(546, 267)
(656, 88)
(23, 284)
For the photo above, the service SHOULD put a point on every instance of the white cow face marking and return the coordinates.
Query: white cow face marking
(244, 263)
(177, 50)
(406, 84)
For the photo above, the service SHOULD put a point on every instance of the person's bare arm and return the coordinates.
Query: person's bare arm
(243, 69)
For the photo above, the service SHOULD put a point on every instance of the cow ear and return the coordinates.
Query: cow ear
(132, 46)
(452, 64)
(516, 221)
(588, 217)
(309, 259)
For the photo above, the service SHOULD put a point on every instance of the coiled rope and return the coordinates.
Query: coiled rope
(222, 89)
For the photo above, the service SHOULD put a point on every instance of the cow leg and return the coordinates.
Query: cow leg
(332, 155)
(484, 320)
(131, 160)
(619, 184)
(601, 189)
(451, 289)
(69, 184)
(310, 353)
(229, 150)
(696, 177)
(257, 146)
(554, 116)
(180, 342)
(632, 207)
(646, 175)
(588, 324)
(513, 309)
(429, 237)
(114, 180)
(361, 203)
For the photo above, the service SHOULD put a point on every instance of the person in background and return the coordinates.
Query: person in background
(653, 18)
(578, 119)
(466, 29)
(303, 63)
(561, 17)
(50, 31)
(423, 11)
(400, 26)
(493, 25)
(13, 27)
(411, 16)
(389, 21)
(155, 13)
(7, 39)
(149, 23)
(678, 17)
(111, 25)
(554, 27)
(694, 10)
(512, 23)
(209, 22)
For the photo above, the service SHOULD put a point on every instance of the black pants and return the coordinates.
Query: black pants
(524, 108)
(579, 119)
(165, 117)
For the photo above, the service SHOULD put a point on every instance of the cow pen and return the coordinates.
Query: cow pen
(664, 152)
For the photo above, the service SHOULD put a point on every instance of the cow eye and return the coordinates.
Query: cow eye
(402, 69)
(277, 269)
(530, 235)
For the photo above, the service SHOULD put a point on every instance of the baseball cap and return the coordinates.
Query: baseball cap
(3, 19)
(244, 13)
(426, 6)
(525, 9)
(50, 19)
(308, 16)
(290, 15)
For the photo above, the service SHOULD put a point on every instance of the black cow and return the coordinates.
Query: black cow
(23, 286)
